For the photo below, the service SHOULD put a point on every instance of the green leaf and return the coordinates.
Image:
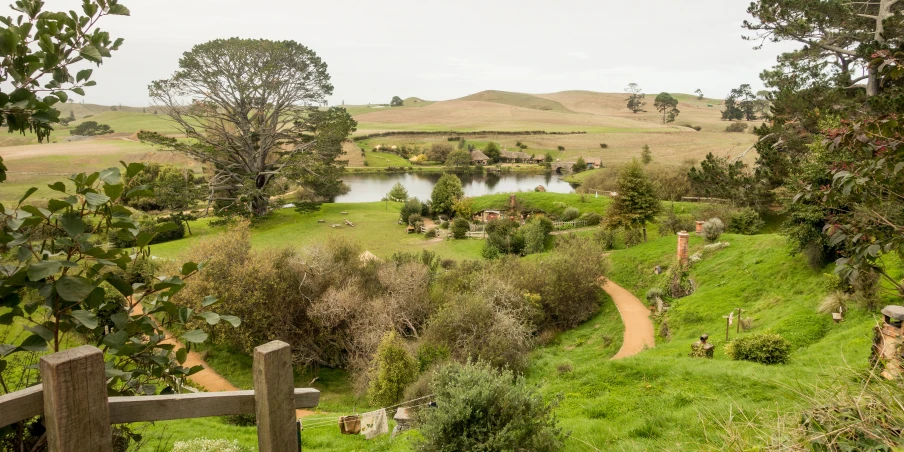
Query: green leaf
(209, 300)
(195, 336)
(90, 53)
(86, 318)
(61, 95)
(212, 318)
(54, 205)
(83, 74)
(74, 288)
(72, 223)
(181, 355)
(119, 10)
(233, 320)
(28, 193)
(189, 267)
(96, 199)
(144, 238)
(58, 186)
(43, 269)
(132, 169)
(121, 285)
(116, 340)
(34, 343)
(42, 331)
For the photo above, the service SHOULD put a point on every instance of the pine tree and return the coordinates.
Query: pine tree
(645, 155)
(636, 203)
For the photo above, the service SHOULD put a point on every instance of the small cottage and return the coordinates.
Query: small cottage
(593, 162)
(479, 158)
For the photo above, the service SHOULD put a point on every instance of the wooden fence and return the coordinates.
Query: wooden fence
(569, 224)
(78, 413)
(481, 234)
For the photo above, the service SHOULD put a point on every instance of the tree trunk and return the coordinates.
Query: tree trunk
(872, 86)
(644, 234)
(259, 205)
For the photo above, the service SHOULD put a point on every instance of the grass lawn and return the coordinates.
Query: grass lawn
(664, 400)
(384, 159)
(376, 229)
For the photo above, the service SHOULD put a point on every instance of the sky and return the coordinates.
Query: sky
(439, 50)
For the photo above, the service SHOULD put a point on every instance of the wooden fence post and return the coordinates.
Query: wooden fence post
(75, 401)
(274, 398)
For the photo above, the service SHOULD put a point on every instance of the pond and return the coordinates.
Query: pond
(374, 186)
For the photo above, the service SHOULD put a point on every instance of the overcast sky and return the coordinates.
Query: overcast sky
(440, 50)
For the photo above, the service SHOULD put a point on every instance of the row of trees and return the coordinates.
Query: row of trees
(664, 102)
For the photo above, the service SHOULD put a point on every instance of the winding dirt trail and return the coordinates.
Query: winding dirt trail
(208, 378)
(636, 317)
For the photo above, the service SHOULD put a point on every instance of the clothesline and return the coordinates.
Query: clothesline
(331, 420)
(328, 422)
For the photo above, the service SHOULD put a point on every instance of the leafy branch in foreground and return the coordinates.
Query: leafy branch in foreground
(58, 275)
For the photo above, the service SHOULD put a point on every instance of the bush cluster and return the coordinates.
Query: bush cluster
(736, 127)
(713, 229)
(764, 348)
(744, 221)
(480, 408)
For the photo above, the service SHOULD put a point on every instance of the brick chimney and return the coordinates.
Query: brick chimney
(887, 345)
(683, 238)
(699, 230)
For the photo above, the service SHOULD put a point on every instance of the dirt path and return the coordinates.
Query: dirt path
(208, 378)
(636, 316)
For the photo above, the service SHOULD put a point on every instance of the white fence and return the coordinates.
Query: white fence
(569, 224)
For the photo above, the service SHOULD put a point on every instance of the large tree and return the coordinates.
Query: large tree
(250, 110)
(445, 193)
(668, 106)
(741, 103)
(396, 102)
(839, 36)
(637, 203)
(635, 97)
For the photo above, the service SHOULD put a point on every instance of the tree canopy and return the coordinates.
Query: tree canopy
(667, 106)
(635, 97)
(446, 191)
(254, 116)
(637, 202)
(90, 128)
(396, 102)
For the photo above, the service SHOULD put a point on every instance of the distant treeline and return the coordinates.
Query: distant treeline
(451, 132)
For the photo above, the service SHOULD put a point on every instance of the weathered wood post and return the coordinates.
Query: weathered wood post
(274, 398)
(75, 401)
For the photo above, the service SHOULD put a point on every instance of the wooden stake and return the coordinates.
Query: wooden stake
(274, 398)
(727, 325)
(75, 401)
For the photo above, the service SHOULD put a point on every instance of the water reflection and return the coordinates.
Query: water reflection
(372, 187)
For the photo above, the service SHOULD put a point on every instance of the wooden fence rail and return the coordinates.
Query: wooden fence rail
(78, 413)
(569, 224)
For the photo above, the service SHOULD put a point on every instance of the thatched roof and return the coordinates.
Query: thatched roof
(477, 155)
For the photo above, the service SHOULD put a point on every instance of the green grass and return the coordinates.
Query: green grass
(384, 159)
(376, 229)
(664, 400)
(131, 122)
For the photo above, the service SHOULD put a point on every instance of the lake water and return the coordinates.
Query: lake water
(373, 187)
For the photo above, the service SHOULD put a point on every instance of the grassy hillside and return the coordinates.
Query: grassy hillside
(664, 400)
(131, 122)
(517, 100)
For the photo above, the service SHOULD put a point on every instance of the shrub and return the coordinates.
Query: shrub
(764, 348)
(471, 327)
(570, 214)
(604, 146)
(479, 408)
(431, 233)
(209, 445)
(505, 236)
(460, 228)
(564, 368)
(90, 128)
(592, 218)
(241, 420)
(393, 368)
(412, 206)
(672, 224)
(713, 229)
(444, 225)
(736, 127)
(535, 234)
(414, 219)
(606, 238)
(745, 221)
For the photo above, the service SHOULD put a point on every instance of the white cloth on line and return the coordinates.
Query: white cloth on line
(374, 424)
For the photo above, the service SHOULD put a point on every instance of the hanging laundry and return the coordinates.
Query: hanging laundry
(374, 424)
(350, 425)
